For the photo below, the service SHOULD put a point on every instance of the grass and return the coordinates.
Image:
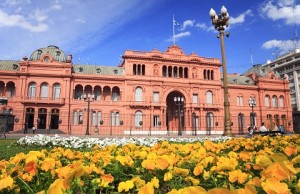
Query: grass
(9, 149)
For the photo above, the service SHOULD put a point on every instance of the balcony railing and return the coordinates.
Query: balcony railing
(43, 100)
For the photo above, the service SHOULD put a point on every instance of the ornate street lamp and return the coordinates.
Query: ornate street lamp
(179, 101)
(88, 98)
(252, 104)
(220, 21)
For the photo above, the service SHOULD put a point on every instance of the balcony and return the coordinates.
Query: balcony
(42, 100)
(211, 106)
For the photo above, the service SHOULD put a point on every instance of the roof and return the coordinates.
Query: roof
(9, 65)
(239, 80)
(54, 51)
(97, 70)
(260, 71)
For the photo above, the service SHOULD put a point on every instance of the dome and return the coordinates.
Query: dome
(54, 51)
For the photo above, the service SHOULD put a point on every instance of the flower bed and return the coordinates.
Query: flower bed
(155, 165)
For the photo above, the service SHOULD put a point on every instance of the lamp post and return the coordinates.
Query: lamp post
(252, 104)
(220, 21)
(179, 101)
(88, 98)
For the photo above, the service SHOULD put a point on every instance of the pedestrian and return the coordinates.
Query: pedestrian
(250, 130)
(33, 129)
(281, 129)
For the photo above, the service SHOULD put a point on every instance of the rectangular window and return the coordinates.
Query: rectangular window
(115, 96)
(155, 96)
(99, 117)
(195, 98)
(156, 121)
(75, 117)
(94, 121)
(112, 119)
(80, 118)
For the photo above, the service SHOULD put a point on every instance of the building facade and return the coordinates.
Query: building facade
(138, 97)
(288, 67)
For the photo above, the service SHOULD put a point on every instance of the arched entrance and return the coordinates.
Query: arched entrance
(54, 119)
(42, 117)
(175, 120)
(29, 118)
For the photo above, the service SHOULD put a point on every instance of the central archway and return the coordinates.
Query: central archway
(174, 123)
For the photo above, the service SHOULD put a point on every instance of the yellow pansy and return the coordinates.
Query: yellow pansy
(48, 164)
(155, 182)
(180, 171)
(219, 191)
(277, 170)
(31, 168)
(138, 182)
(125, 160)
(168, 176)
(194, 181)
(125, 186)
(58, 187)
(273, 185)
(146, 189)
(6, 182)
(198, 170)
(237, 175)
(290, 150)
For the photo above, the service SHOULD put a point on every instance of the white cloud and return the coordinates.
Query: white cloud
(241, 18)
(282, 10)
(20, 21)
(187, 23)
(202, 26)
(182, 34)
(282, 46)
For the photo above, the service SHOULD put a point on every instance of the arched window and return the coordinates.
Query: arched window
(80, 117)
(267, 101)
(169, 71)
(139, 94)
(209, 97)
(204, 74)
(75, 118)
(281, 102)
(208, 74)
(239, 101)
(134, 69)
(175, 72)
(143, 69)
(44, 91)
(32, 90)
(56, 91)
(137, 118)
(139, 69)
(180, 72)
(186, 72)
(274, 102)
(209, 122)
(212, 74)
(164, 71)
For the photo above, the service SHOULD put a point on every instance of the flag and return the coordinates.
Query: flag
(175, 23)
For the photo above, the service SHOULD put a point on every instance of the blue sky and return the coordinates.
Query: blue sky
(99, 31)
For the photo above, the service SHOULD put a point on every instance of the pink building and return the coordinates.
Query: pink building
(48, 91)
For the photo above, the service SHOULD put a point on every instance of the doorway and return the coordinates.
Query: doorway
(42, 118)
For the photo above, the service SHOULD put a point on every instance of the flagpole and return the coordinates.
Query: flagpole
(173, 30)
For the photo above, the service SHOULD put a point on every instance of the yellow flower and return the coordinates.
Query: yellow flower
(48, 164)
(146, 189)
(273, 185)
(138, 182)
(249, 189)
(237, 175)
(27, 177)
(106, 179)
(6, 182)
(125, 160)
(168, 176)
(194, 181)
(298, 186)
(206, 175)
(245, 155)
(155, 182)
(58, 187)
(125, 186)
(161, 163)
(290, 150)
(180, 171)
(148, 164)
(262, 161)
(192, 190)
(219, 191)
(198, 169)
(277, 170)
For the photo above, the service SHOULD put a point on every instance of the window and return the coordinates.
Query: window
(99, 117)
(155, 96)
(56, 91)
(195, 98)
(239, 101)
(267, 101)
(94, 118)
(138, 117)
(156, 121)
(115, 96)
(75, 118)
(138, 94)
(44, 91)
(281, 103)
(209, 122)
(209, 97)
(115, 118)
(32, 90)
(80, 117)
(274, 102)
